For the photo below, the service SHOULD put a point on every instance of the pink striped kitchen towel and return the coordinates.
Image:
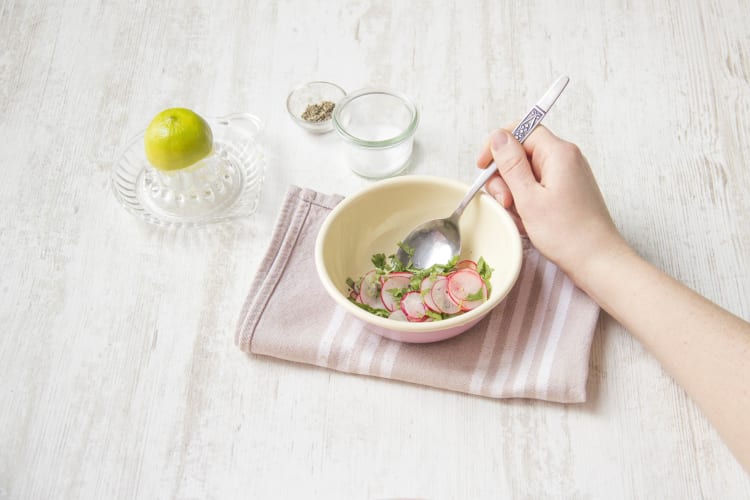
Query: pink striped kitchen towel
(535, 344)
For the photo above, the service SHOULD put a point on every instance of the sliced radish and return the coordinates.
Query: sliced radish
(436, 297)
(426, 288)
(468, 305)
(369, 290)
(394, 281)
(398, 315)
(413, 306)
(464, 283)
(442, 298)
(467, 264)
(402, 273)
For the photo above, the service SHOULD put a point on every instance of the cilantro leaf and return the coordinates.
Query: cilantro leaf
(378, 260)
(406, 248)
(433, 315)
(383, 313)
(484, 270)
(351, 284)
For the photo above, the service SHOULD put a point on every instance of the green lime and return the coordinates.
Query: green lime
(177, 138)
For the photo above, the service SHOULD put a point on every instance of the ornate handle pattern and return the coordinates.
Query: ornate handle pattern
(528, 124)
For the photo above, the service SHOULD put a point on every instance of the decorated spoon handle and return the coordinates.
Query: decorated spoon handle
(533, 118)
(537, 113)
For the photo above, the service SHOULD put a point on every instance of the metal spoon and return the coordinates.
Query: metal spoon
(438, 241)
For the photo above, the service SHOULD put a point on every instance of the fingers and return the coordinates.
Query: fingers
(540, 142)
(497, 187)
(512, 163)
(485, 156)
(540, 136)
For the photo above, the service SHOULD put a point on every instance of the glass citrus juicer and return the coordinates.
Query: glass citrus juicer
(191, 171)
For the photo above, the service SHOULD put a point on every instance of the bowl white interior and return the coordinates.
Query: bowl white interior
(377, 218)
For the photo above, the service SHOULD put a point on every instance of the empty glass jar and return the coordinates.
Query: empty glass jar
(378, 127)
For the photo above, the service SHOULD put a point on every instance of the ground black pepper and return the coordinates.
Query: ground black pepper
(318, 112)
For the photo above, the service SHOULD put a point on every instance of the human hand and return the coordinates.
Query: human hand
(549, 189)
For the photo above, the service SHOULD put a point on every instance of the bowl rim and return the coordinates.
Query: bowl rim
(401, 326)
(403, 136)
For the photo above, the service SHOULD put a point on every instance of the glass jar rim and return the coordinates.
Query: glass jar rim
(407, 133)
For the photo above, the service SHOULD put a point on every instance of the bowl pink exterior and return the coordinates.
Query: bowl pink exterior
(375, 219)
(423, 337)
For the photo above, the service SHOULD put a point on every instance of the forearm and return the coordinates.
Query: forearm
(705, 348)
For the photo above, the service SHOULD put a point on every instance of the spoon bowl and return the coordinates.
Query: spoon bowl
(433, 242)
(439, 240)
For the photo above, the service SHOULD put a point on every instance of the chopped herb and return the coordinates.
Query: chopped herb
(415, 283)
(378, 260)
(395, 265)
(398, 292)
(406, 248)
(351, 284)
(385, 265)
(433, 315)
(484, 270)
(383, 313)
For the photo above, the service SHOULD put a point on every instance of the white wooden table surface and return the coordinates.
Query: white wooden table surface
(119, 377)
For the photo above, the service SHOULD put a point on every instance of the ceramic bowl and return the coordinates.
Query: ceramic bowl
(375, 219)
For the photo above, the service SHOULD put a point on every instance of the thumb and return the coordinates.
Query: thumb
(512, 163)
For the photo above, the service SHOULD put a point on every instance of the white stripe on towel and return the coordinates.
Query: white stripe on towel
(389, 358)
(561, 314)
(548, 280)
(372, 341)
(347, 345)
(488, 348)
(516, 322)
(324, 347)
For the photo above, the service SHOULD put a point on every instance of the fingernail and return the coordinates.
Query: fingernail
(499, 198)
(499, 139)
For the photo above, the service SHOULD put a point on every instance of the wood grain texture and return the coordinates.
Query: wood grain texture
(118, 374)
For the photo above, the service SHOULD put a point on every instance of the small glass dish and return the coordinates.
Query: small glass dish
(378, 127)
(310, 94)
(223, 186)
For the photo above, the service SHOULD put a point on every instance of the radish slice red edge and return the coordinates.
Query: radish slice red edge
(442, 298)
(426, 290)
(468, 305)
(413, 306)
(398, 315)
(467, 264)
(369, 290)
(401, 273)
(464, 283)
(393, 281)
